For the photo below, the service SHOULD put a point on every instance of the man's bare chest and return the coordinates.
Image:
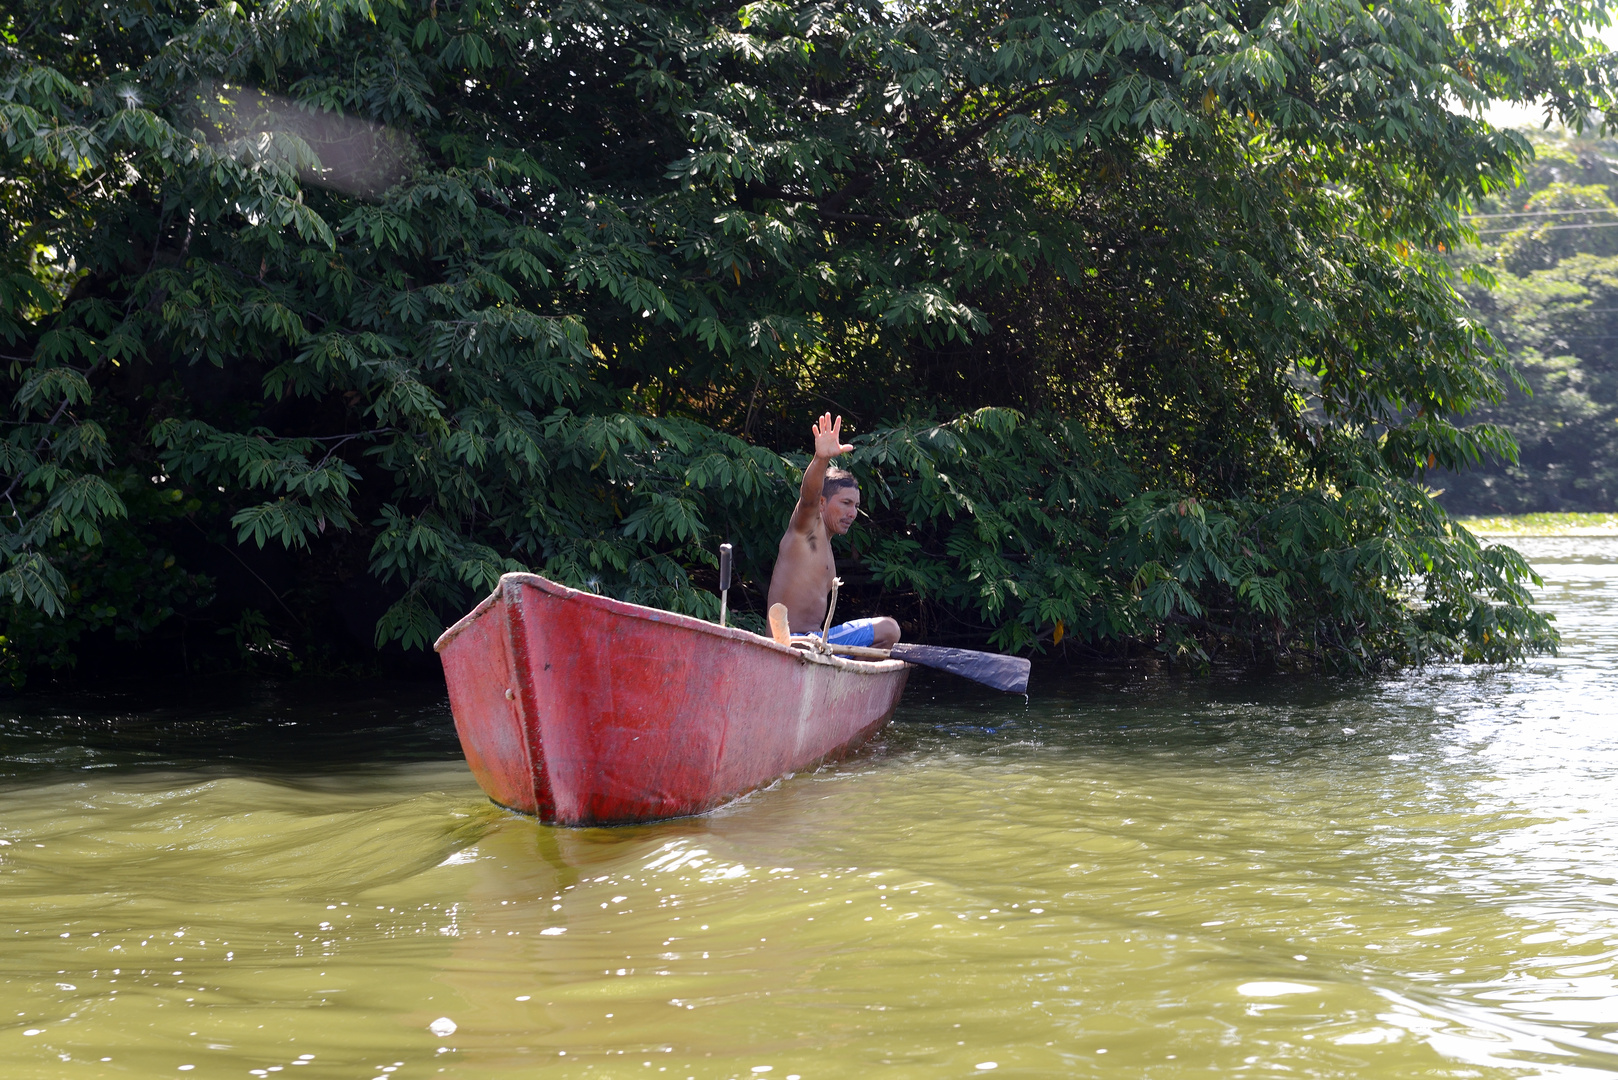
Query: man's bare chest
(820, 556)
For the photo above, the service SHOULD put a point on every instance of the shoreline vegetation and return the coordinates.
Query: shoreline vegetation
(1147, 321)
(1542, 525)
(1542, 279)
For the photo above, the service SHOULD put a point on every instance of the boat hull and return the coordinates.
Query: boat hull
(584, 710)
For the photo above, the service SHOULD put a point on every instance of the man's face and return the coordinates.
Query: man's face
(840, 510)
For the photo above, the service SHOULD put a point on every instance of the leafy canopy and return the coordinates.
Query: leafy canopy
(1138, 307)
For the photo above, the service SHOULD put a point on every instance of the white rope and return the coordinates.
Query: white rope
(831, 609)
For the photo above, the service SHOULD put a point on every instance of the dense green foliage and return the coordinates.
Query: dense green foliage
(1550, 298)
(1135, 310)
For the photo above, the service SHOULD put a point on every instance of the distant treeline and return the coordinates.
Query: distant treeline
(1548, 292)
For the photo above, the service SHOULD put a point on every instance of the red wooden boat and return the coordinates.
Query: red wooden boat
(585, 710)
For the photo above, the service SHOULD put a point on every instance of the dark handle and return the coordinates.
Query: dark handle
(724, 567)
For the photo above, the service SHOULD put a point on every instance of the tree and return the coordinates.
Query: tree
(1550, 298)
(1138, 308)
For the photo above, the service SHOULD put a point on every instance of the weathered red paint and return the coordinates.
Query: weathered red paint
(585, 710)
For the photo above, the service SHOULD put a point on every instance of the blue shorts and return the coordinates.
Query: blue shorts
(858, 632)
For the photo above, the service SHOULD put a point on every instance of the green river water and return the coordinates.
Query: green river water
(1128, 876)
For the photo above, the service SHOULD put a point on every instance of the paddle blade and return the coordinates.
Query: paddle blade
(1009, 673)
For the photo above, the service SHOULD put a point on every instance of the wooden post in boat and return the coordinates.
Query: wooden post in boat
(724, 582)
(780, 629)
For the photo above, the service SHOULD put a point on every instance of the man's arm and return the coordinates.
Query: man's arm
(828, 444)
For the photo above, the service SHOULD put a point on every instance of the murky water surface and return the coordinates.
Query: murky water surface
(1134, 878)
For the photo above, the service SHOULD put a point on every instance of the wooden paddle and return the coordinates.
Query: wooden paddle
(1008, 673)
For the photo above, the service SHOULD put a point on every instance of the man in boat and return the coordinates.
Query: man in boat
(828, 502)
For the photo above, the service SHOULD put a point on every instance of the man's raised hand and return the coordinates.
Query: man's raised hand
(829, 437)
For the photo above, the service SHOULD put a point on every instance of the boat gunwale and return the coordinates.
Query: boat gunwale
(625, 609)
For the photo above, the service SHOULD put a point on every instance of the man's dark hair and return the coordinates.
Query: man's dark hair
(837, 480)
